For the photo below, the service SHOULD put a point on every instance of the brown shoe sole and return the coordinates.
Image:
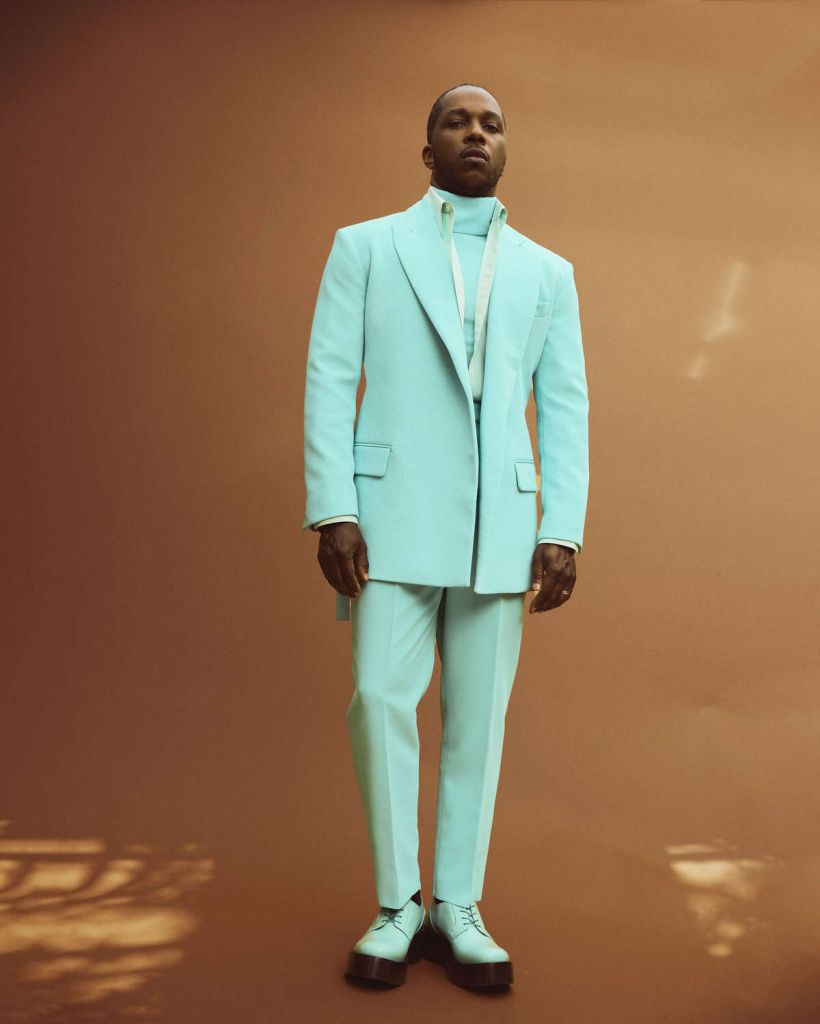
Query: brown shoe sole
(492, 973)
(382, 969)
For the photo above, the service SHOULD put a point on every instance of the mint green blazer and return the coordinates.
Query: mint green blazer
(412, 465)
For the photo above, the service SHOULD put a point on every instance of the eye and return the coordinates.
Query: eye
(489, 124)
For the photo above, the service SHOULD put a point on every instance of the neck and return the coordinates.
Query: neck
(457, 190)
(473, 214)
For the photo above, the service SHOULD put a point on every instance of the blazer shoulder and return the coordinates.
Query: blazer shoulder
(365, 233)
(553, 260)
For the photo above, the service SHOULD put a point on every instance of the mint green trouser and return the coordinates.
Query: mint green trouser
(395, 629)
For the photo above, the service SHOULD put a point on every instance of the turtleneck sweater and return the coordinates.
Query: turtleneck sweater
(472, 222)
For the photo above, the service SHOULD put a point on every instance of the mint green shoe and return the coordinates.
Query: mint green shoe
(458, 940)
(394, 940)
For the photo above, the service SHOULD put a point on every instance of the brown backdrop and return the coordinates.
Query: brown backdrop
(181, 836)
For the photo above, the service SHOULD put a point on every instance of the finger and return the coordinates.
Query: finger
(348, 571)
(540, 603)
(556, 596)
(565, 593)
(537, 568)
(362, 565)
(330, 569)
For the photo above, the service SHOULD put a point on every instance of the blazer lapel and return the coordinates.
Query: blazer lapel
(424, 257)
(513, 296)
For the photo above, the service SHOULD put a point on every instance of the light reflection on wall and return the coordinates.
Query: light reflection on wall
(724, 321)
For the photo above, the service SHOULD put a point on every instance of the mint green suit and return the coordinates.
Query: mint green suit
(444, 488)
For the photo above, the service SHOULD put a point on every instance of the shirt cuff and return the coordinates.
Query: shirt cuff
(335, 519)
(566, 543)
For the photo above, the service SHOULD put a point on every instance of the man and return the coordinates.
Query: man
(427, 507)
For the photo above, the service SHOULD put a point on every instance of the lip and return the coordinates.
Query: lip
(475, 151)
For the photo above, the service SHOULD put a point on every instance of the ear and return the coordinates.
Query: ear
(427, 157)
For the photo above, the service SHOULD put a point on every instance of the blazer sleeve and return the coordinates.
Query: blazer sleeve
(334, 369)
(562, 414)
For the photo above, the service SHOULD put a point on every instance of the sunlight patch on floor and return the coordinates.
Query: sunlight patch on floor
(86, 924)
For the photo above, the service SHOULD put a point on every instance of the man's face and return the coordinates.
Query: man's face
(470, 119)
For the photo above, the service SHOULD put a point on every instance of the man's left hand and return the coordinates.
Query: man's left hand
(553, 576)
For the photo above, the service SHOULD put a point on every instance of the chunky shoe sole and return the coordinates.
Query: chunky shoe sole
(381, 968)
(482, 975)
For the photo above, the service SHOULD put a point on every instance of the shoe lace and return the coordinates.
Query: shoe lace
(470, 915)
(389, 915)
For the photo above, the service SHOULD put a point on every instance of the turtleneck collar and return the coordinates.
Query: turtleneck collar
(472, 213)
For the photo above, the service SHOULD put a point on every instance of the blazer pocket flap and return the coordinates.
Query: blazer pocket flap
(370, 459)
(542, 308)
(525, 475)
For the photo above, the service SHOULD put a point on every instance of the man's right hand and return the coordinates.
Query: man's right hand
(343, 557)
